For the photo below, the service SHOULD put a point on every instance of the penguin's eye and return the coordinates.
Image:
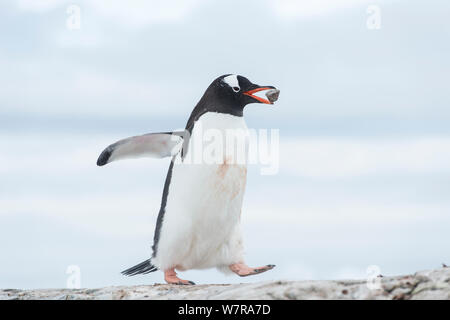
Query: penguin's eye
(236, 89)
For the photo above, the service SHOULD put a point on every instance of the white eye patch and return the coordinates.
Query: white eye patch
(233, 82)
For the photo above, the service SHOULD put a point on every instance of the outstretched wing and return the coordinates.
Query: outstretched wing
(153, 145)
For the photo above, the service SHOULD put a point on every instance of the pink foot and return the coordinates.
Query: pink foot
(171, 278)
(242, 270)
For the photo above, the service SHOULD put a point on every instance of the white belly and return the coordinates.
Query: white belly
(200, 228)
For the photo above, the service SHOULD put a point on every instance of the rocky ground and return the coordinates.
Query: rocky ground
(433, 284)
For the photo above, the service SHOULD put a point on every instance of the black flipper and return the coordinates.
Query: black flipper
(104, 156)
(143, 267)
(152, 145)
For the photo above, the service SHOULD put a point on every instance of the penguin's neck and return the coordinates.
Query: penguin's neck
(218, 107)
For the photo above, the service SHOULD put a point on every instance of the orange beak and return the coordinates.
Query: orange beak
(262, 100)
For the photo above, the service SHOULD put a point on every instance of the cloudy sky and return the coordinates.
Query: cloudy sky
(363, 118)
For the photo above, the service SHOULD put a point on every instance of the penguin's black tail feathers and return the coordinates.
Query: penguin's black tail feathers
(143, 267)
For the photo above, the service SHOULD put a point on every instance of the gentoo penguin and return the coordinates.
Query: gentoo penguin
(198, 224)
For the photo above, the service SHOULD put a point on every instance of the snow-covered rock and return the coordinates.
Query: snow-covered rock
(433, 284)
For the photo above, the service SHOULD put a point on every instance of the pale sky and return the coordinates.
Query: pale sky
(363, 119)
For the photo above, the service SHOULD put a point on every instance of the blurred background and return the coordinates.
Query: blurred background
(363, 116)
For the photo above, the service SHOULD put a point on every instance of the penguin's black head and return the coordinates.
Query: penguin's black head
(240, 90)
(230, 93)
